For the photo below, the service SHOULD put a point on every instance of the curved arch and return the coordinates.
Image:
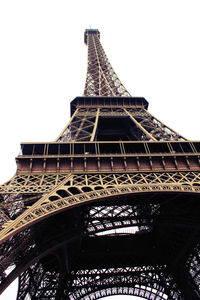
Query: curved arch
(141, 292)
(141, 285)
(32, 259)
(54, 203)
(136, 201)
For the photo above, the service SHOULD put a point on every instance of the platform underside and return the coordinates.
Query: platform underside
(145, 245)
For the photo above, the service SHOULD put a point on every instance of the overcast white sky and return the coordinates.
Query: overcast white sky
(153, 45)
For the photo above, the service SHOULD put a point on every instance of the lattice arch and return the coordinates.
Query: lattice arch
(96, 284)
(91, 197)
(65, 197)
(138, 291)
(123, 281)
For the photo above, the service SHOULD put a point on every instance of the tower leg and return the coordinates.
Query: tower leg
(188, 287)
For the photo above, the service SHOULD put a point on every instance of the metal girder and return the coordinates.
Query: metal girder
(84, 124)
(146, 282)
(33, 184)
(101, 80)
(77, 189)
(111, 207)
(138, 214)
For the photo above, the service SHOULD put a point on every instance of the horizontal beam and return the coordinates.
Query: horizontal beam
(107, 163)
(110, 147)
(108, 102)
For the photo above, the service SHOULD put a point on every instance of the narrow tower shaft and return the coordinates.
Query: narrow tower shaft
(101, 79)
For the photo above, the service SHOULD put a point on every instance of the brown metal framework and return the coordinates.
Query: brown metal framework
(101, 80)
(110, 208)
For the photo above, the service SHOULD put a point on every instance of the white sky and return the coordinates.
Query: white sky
(153, 45)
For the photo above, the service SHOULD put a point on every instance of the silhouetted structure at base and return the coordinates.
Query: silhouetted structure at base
(110, 208)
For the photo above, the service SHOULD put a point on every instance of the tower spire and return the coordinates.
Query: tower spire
(101, 79)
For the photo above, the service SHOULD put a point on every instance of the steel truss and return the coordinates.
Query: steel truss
(89, 187)
(101, 80)
(146, 282)
(115, 273)
(83, 125)
(142, 214)
(111, 207)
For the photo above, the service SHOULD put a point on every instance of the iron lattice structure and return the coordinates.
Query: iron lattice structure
(101, 79)
(110, 208)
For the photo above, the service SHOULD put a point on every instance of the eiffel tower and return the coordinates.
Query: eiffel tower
(110, 208)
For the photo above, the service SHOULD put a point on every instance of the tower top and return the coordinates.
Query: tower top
(90, 31)
(101, 79)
